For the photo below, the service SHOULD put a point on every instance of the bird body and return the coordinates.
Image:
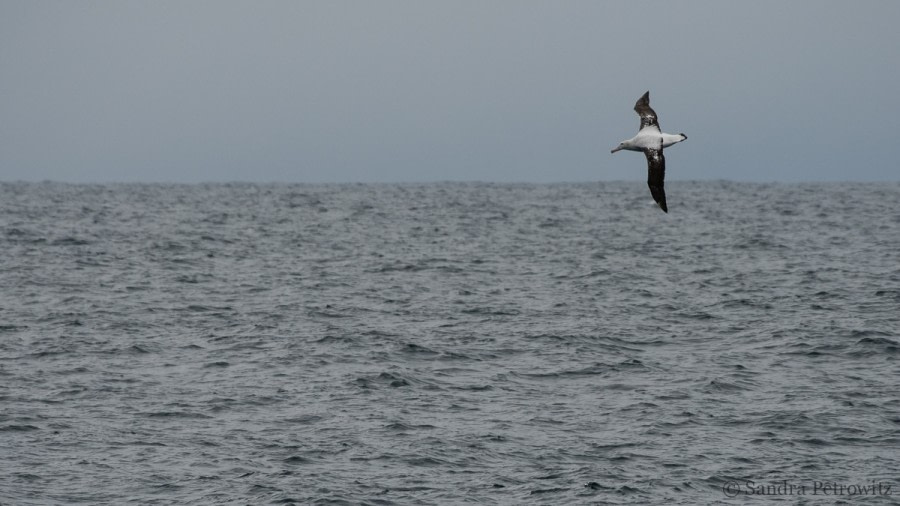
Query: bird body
(650, 138)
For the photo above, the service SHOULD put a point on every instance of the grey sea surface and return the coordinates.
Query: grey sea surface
(453, 343)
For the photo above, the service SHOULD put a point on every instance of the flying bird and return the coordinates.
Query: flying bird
(651, 141)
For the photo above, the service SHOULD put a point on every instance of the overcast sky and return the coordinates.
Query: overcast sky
(489, 90)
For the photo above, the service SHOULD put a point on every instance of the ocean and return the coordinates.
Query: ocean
(449, 343)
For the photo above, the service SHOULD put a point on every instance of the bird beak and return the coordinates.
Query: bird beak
(617, 148)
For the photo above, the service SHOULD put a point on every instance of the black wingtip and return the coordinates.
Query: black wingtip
(642, 102)
(684, 136)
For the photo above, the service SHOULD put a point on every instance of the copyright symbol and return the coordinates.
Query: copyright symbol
(731, 488)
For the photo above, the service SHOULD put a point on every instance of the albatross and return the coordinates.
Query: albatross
(651, 141)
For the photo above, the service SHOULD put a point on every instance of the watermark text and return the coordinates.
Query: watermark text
(735, 488)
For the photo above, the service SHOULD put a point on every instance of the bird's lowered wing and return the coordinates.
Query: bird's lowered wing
(656, 175)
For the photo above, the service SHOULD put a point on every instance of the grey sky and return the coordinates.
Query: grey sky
(457, 90)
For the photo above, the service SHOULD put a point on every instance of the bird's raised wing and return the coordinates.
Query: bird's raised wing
(648, 115)
(656, 175)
